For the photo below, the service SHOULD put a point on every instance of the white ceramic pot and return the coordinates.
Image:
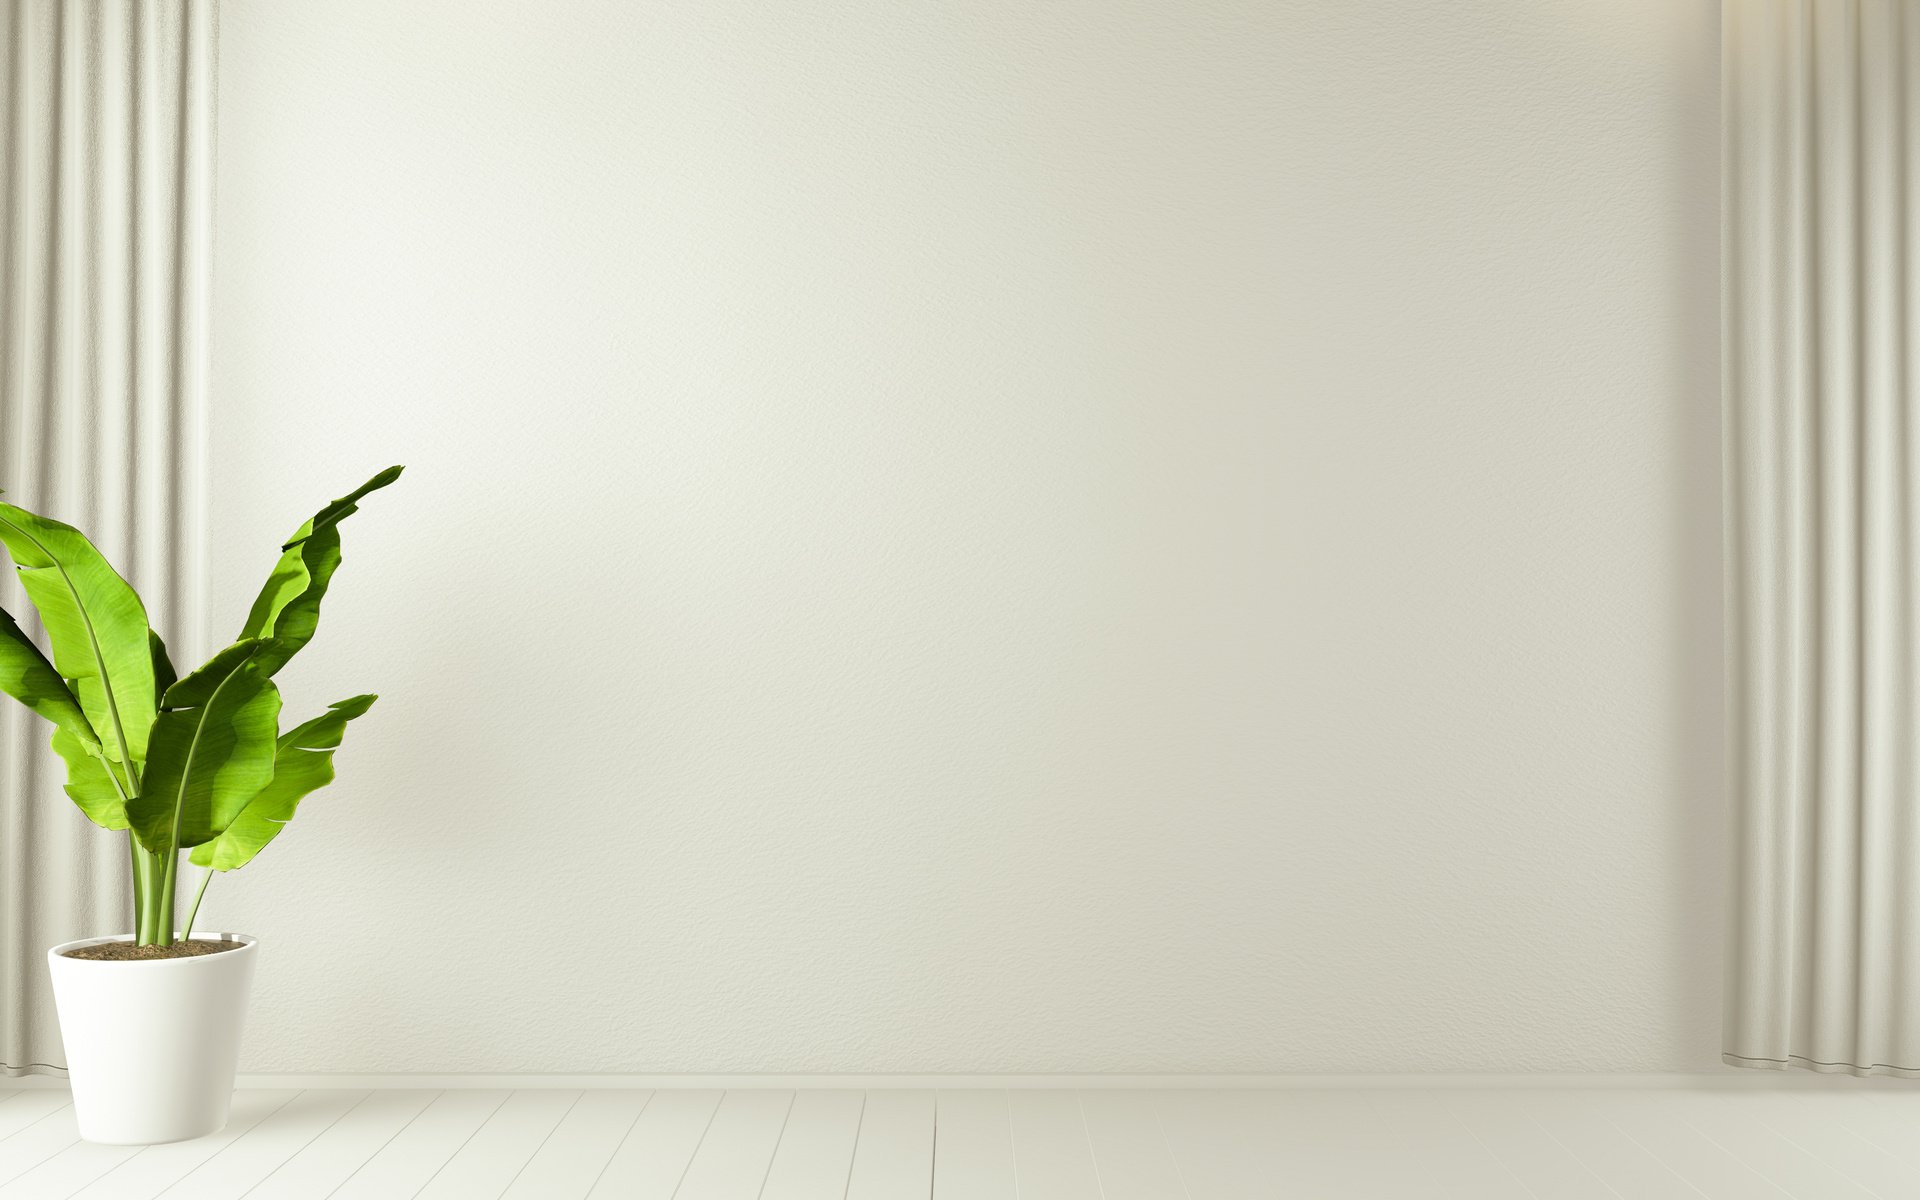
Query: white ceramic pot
(152, 1046)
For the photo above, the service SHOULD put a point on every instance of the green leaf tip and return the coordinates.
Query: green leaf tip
(357, 706)
(288, 608)
(342, 508)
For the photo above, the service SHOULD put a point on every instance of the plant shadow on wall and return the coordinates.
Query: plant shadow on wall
(195, 764)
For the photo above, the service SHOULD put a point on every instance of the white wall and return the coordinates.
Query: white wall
(1146, 536)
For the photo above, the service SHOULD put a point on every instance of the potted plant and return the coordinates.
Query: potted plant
(193, 766)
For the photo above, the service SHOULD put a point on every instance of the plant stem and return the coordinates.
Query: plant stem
(144, 880)
(164, 933)
(154, 916)
(195, 910)
(139, 887)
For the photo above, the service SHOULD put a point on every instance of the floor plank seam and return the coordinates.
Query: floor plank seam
(933, 1149)
(1086, 1131)
(1741, 1159)
(542, 1146)
(29, 1125)
(1866, 1137)
(846, 1189)
(1486, 1149)
(223, 1149)
(1808, 1151)
(1666, 1166)
(302, 1146)
(230, 1141)
(463, 1144)
(1577, 1158)
(777, 1138)
(383, 1145)
(111, 1169)
(704, 1131)
(1013, 1149)
(30, 1168)
(1173, 1154)
(39, 1162)
(619, 1145)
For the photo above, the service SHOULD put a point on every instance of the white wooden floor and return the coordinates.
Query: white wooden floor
(993, 1145)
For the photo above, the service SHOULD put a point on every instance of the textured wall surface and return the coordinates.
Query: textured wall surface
(1123, 536)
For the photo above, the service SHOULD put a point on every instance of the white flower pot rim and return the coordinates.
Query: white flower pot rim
(248, 943)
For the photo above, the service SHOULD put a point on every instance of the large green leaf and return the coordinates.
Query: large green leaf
(288, 608)
(212, 750)
(88, 782)
(96, 624)
(27, 676)
(303, 764)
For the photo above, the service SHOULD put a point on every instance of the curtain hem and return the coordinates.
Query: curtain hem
(1795, 1062)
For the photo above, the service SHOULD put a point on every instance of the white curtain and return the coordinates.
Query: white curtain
(1822, 191)
(105, 194)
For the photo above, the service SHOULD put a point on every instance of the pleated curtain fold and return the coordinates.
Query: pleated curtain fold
(105, 207)
(1821, 352)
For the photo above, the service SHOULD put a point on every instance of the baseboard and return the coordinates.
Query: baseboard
(1729, 1079)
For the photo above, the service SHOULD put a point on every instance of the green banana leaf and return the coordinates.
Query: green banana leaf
(288, 608)
(164, 676)
(212, 750)
(88, 782)
(97, 627)
(27, 676)
(303, 764)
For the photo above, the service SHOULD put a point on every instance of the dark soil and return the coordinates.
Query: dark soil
(128, 952)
